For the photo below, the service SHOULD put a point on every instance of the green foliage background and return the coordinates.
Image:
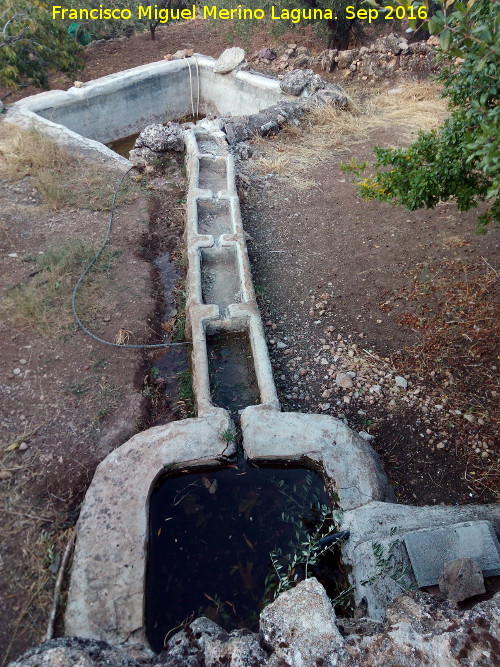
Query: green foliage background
(336, 33)
(31, 43)
(461, 159)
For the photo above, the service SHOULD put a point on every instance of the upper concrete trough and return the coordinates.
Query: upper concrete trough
(119, 105)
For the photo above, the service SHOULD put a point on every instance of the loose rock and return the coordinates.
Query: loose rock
(461, 579)
(294, 82)
(229, 60)
(300, 627)
(344, 381)
(161, 138)
(401, 382)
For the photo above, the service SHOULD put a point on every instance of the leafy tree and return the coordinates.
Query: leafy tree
(338, 31)
(31, 43)
(101, 28)
(116, 27)
(461, 159)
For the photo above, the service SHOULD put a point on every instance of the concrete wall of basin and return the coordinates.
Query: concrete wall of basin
(122, 104)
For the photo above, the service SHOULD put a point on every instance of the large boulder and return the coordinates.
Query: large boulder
(187, 647)
(346, 58)
(331, 95)
(79, 652)
(300, 627)
(390, 44)
(420, 630)
(294, 82)
(160, 138)
(241, 648)
(265, 123)
(229, 60)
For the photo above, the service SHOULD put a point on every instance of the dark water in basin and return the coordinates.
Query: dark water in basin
(124, 145)
(211, 535)
(233, 383)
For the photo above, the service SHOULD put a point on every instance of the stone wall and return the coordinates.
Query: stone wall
(386, 56)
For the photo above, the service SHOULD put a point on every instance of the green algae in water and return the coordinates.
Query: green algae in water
(212, 534)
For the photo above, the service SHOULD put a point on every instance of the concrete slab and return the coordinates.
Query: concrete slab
(376, 553)
(430, 548)
(349, 463)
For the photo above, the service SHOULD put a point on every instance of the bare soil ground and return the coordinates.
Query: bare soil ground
(336, 274)
(66, 399)
(360, 287)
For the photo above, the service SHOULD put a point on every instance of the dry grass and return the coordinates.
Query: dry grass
(294, 151)
(43, 303)
(62, 179)
(40, 537)
(416, 106)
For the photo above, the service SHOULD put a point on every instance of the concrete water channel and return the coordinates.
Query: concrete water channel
(107, 590)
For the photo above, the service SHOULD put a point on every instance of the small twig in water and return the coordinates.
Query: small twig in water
(58, 585)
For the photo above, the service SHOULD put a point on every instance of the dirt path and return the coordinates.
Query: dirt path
(66, 400)
(332, 270)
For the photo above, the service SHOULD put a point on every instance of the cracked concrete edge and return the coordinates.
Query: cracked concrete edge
(106, 593)
(352, 468)
(374, 520)
(205, 319)
(381, 526)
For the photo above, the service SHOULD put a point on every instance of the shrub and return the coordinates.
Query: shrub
(460, 160)
(31, 43)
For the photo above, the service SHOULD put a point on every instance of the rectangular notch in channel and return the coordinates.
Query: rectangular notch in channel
(214, 217)
(220, 277)
(233, 381)
(213, 174)
(209, 144)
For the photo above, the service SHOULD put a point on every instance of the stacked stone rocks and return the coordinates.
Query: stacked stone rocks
(387, 55)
